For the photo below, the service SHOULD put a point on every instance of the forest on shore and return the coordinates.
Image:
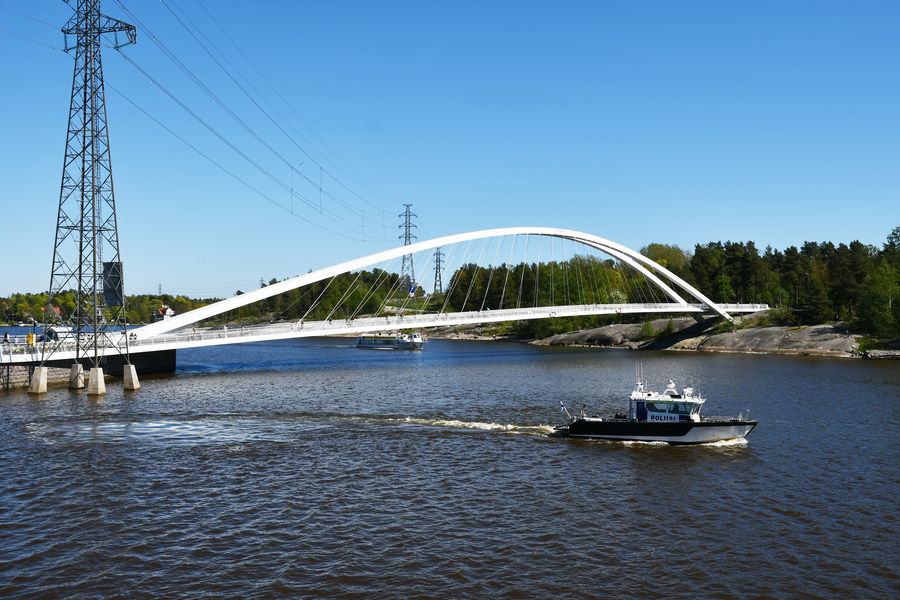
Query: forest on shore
(817, 282)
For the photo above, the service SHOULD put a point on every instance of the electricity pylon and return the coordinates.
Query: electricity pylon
(86, 256)
(407, 271)
(438, 269)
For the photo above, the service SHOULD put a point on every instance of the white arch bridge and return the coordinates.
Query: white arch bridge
(673, 296)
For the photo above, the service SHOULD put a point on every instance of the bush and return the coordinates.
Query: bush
(781, 315)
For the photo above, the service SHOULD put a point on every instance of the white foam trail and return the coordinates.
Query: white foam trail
(737, 442)
(639, 443)
(728, 443)
(505, 428)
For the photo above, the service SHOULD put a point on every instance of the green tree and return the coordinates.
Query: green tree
(671, 257)
(879, 311)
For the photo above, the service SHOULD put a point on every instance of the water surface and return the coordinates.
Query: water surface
(310, 468)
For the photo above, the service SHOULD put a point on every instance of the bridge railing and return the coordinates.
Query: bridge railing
(15, 348)
(744, 307)
(342, 326)
(16, 352)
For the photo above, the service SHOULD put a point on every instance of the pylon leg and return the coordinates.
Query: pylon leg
(38, 381)
(76, 377)
(131, 378)
(96, 382)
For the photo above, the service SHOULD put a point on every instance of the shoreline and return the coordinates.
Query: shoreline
(687, 335)
(674, 335)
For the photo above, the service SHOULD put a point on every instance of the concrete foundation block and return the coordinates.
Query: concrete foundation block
(129, 372)
(96, 382)
(76, 377)
(38, 381)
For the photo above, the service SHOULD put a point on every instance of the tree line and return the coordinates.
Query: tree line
(345, 296)
(140, 308)
(853, 283)
(818, 282)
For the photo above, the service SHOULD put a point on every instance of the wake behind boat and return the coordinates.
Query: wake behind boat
(391, 341)
(653, 417)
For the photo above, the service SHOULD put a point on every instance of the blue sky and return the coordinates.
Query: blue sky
(673, 122)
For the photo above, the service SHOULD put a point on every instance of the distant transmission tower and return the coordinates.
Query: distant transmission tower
(438, 269)
(86, 256)
(407, 272)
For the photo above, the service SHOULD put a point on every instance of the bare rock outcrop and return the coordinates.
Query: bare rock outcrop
(815, 340)
(687, 334)
(625, 335)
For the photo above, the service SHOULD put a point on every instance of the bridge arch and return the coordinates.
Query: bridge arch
(650, 269)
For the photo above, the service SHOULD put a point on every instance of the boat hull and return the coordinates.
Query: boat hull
(684, 432)
(390, 345)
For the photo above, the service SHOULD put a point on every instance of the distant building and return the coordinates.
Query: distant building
(163, 313)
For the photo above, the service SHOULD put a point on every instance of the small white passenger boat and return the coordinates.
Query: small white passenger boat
(391, 341)
(669, 416)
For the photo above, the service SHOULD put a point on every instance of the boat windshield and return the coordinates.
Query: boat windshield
(676, 408)
(680, 408)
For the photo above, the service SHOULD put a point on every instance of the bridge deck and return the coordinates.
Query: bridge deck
(20, 353)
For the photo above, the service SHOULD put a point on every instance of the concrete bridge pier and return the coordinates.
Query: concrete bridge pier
(96, 382)
(38, 383)
(76, 377)
(129, 373)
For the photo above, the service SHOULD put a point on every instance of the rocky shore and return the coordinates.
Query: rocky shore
(747, 337)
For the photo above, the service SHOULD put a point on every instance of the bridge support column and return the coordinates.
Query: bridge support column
(96, 382)
(129, 372)
(38, 383)
(76, 377)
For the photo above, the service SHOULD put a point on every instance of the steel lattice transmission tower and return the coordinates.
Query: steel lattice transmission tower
(407, 271)
(438, 269)
(86, 256)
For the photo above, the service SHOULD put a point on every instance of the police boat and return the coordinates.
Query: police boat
(670, 417)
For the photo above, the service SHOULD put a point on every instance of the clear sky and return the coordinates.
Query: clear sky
(674, 122)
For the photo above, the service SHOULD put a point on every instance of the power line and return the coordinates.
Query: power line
(221, 167)
(330, 214)
(255, 103)
(28, 16)
(31, 40)
(263, 98)
(262, 76)
(218, 101)
(334, 216)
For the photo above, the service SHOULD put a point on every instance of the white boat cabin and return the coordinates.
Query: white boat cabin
(670, 406)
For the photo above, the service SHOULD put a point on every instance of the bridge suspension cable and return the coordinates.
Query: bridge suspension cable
(477, 286)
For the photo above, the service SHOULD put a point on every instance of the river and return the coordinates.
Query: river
(310, 468)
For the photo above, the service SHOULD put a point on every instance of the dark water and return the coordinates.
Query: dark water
(310, 468)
